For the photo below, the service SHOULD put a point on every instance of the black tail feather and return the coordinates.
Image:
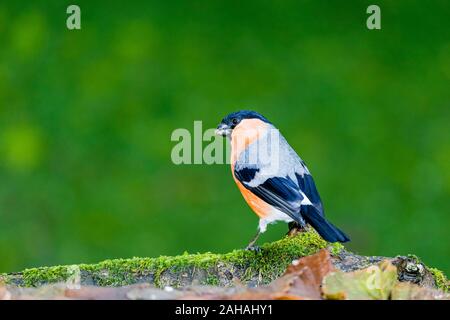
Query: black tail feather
(326, 230)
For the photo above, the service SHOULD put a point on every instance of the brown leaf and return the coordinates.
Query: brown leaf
(303, 277)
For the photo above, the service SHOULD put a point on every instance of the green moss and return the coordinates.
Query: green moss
(336, 248)
(268, 264)
(38, 276)
(440, 279)
(212, 280)
(275, 257)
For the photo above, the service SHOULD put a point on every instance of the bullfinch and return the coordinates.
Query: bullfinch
(272, 178)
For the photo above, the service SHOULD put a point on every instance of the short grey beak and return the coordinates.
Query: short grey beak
(223, 130)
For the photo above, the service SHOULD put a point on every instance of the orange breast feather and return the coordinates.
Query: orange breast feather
(243, 135)
(260, 207)
(247, 132)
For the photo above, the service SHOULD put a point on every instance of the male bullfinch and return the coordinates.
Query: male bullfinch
(272, 178)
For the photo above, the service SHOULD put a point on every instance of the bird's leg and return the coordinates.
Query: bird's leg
(251, 246)
(296, 227)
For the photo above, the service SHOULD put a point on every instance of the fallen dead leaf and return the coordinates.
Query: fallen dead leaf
(304, 277)
(372, 283)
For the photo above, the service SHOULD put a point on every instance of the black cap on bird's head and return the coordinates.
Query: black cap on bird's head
(228, 123)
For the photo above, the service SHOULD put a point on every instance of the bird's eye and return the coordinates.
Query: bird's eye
(234, 121)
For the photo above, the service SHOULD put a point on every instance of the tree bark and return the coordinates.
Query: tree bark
(222, 270)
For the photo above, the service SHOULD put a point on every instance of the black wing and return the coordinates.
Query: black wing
(307, 185)
(282, 193)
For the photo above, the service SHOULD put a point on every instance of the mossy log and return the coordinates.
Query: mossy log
(239, 266)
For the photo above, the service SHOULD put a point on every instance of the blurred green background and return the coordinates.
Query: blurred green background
(86, 118)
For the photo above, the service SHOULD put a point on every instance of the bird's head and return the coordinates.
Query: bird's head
(231, 121)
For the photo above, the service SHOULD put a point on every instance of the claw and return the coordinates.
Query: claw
(294, 231)
(296, 228)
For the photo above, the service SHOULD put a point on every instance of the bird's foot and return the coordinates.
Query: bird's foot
(294, 231)
(295, 228)
(253, 248)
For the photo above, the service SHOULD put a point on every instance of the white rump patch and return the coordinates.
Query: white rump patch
(275, 216)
